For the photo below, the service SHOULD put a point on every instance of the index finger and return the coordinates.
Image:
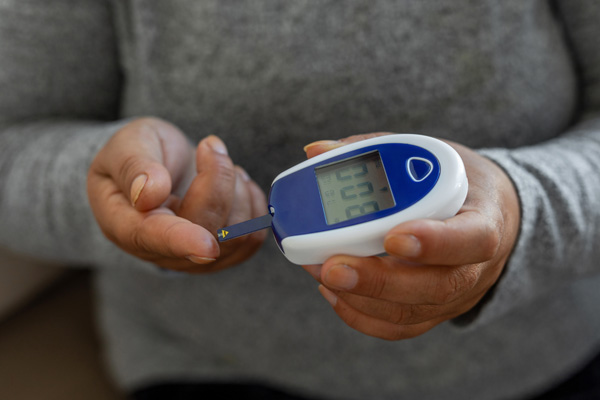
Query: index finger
(209, 198)
(322, 146)
(151, 234)
(143, 158)
(467, 238)
(387, 278)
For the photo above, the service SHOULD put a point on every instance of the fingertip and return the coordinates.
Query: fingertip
(321, 143)
(215, 144)
(403, 245)
(410, 239)
(328, 295)
(194, 243)
(341, 276)
(212, 155)
(321, 146)
(210, 247)
(212, 151)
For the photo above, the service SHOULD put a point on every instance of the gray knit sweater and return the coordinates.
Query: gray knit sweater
(517, 79)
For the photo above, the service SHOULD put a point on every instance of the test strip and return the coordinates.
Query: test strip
(244, 228)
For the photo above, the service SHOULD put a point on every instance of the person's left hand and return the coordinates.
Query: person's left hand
(161, 199)
(435, 270)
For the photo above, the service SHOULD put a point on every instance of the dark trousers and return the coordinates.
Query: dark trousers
(216, 391)
(584, 385)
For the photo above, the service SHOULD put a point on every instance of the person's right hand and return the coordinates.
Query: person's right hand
(157, 199)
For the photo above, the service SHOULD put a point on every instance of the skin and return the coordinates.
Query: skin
(435, 270)
(161, 199)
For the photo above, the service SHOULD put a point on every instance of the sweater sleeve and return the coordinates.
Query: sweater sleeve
(59, 99)
(558, 183)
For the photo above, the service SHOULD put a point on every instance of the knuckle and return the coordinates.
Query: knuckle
(376, 278)
(124, 235)
(377, 285)
(214, 216)
(142, 238)
(454, 284)
(121, 234)
(402, 314)
(169, 237)
(490, 242)
(135, 239)
(409, 314)
(224, 169)
(130, 166)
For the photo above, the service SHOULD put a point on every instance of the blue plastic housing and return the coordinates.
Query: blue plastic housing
(296, 201)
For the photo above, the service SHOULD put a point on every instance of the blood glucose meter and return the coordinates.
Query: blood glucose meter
(345, 201)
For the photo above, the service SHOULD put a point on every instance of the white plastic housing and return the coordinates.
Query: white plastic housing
(366, 239)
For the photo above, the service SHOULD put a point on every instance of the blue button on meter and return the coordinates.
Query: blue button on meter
(345, 201)
(419, 168)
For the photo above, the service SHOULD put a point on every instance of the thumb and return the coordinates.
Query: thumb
(143, 159)
(209, 199)
(315, 148)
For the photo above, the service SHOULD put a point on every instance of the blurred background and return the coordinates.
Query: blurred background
(49, 347)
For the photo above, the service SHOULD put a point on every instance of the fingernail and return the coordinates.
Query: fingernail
(216, 144)
(341, 277)
(136, 188)
(201, 260)
(329, 295)
(403, 245)
(325, 143)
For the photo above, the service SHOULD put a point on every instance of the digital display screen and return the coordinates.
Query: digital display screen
(354, 187)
